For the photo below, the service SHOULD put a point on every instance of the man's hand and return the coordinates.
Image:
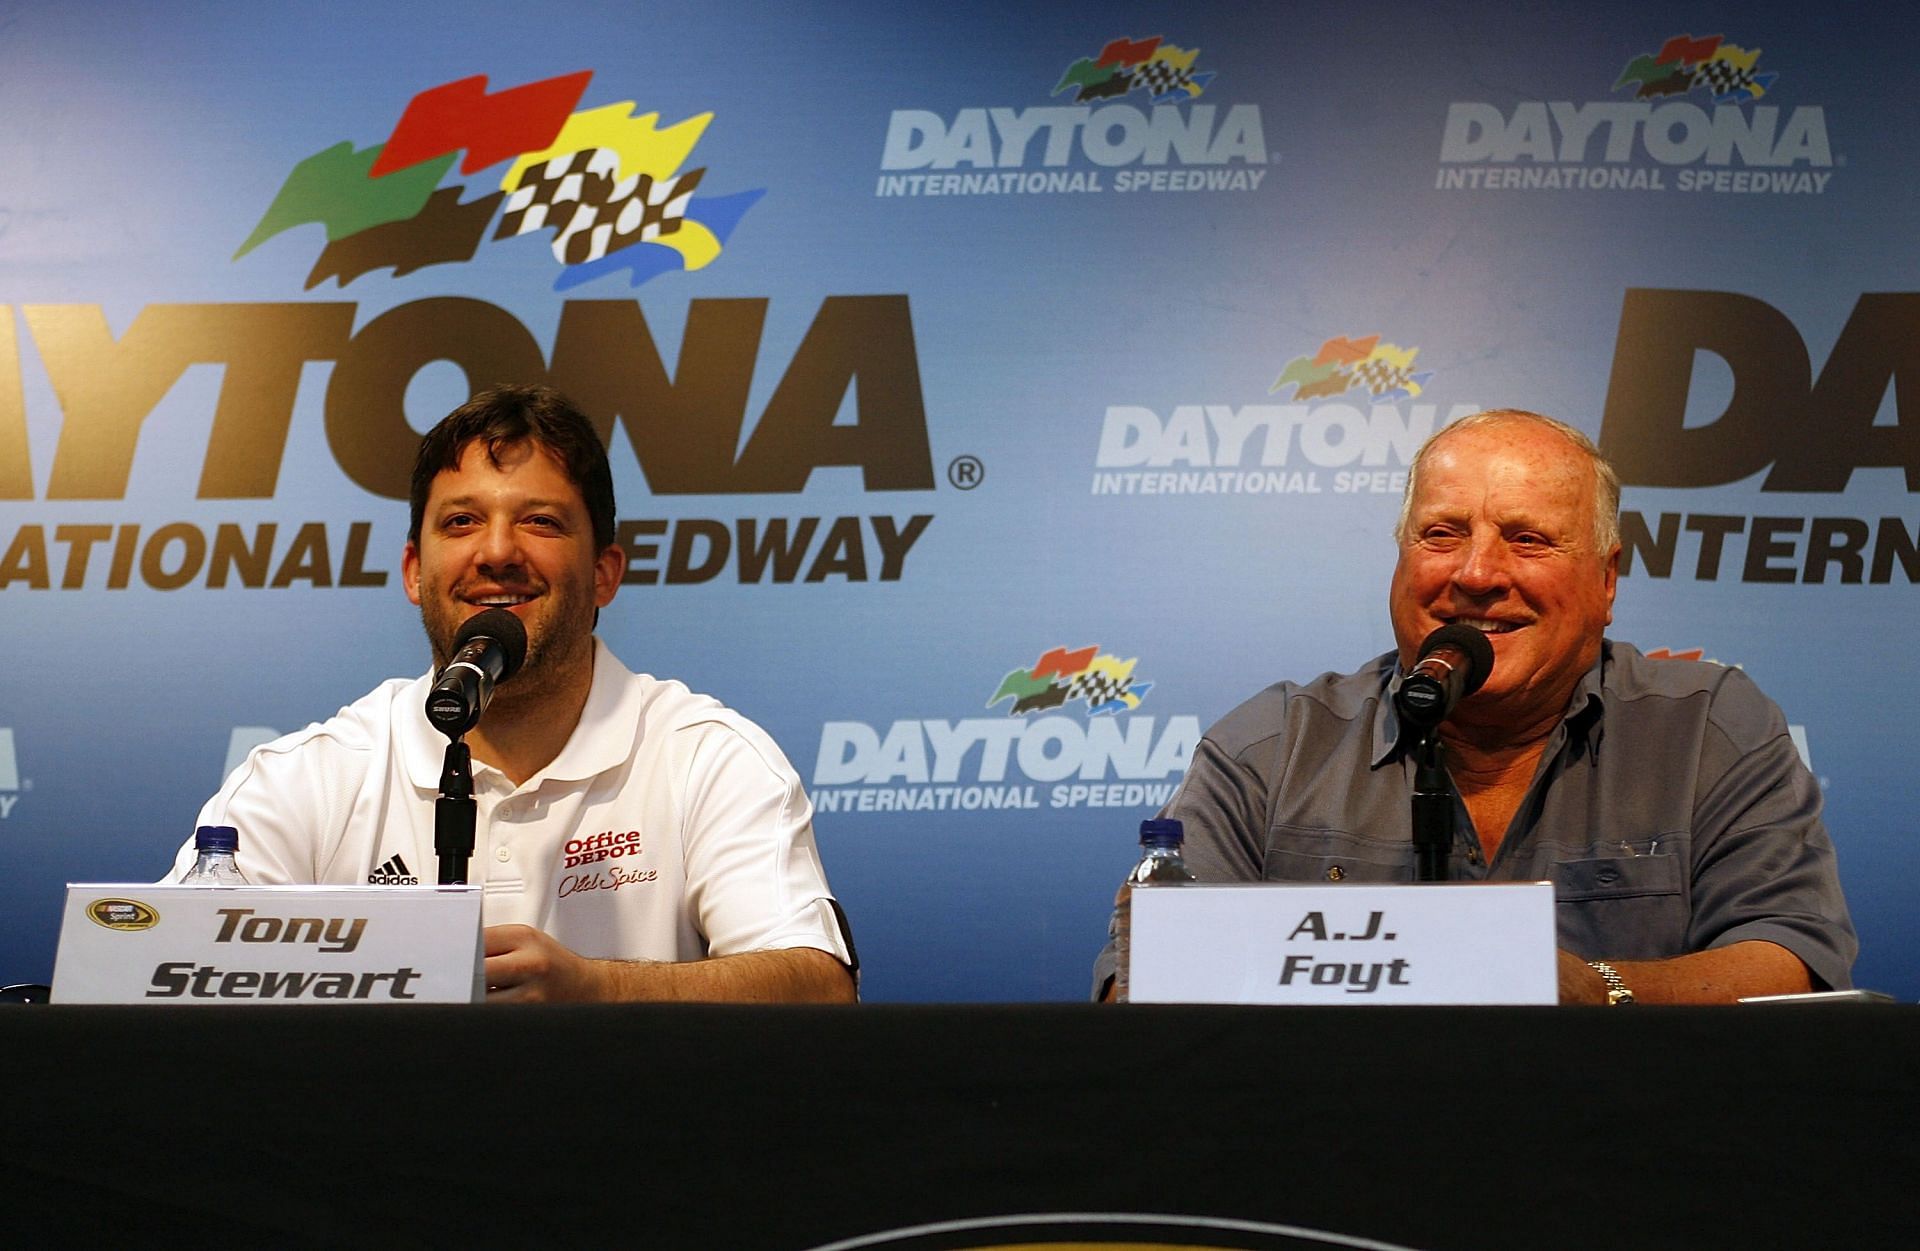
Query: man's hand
(1719, 975)
(525, 965)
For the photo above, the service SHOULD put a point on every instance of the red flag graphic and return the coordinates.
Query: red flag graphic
(491, 128)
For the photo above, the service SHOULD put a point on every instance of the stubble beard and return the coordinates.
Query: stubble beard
(560, 638)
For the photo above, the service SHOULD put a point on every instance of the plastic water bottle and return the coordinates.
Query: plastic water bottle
(1160, 865)
(214, 864)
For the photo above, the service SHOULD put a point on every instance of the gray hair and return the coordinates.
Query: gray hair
(1606, 483)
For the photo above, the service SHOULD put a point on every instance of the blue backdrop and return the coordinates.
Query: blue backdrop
(1011, 393)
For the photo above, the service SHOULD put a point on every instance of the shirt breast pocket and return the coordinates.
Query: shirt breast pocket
(1630, 907)
(1300, 855)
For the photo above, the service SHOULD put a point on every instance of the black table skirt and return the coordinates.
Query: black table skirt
(793, 1128)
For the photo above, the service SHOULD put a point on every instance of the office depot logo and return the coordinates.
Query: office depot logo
(607, 185)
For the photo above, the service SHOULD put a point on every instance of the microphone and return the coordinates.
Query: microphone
(1454, 661)
(489, 649)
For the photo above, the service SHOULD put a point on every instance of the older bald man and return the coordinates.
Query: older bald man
(1663, 798)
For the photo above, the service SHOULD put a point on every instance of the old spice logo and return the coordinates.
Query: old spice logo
(610, 856)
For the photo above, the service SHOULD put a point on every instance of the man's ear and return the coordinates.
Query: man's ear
(410, 571)
(1612, 575)
(608, 568)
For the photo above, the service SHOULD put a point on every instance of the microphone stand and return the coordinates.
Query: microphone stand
(454, 814)
(1432, 811)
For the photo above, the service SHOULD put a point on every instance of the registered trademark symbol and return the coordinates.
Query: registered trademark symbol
(966, 472)
(1273, 158)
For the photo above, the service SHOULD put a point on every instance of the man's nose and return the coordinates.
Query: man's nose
(1483, 565)
(499, 545)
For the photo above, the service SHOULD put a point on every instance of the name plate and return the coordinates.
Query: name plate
(1434, 943)
(173, 944)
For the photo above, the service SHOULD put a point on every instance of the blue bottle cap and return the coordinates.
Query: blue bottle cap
(216, 838)
(1162, 832)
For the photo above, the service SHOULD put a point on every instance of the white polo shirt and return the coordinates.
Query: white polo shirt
(668, 828)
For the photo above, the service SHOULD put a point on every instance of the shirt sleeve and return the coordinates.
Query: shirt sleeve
(1764, 865)
(282, 799)
(754, 877)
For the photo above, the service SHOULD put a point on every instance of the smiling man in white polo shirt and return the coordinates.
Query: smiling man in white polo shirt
(635, 841)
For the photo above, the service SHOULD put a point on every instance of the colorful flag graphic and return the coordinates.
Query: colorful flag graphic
(1104, 683)
(1161, 70)
(1684, 64)
(1383, 370)
(607, 184)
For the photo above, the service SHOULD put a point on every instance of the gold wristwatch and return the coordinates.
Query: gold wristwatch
(1617, 992)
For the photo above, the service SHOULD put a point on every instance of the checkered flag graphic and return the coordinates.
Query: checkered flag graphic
(1160, 77)
(591, 213)
(1723, 77)
(1097, 688)
(1379, 376)
(548, 194)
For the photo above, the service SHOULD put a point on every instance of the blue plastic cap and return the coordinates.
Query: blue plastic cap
(1162, 831)
(216, 838)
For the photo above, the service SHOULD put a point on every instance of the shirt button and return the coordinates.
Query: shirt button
(503, 854)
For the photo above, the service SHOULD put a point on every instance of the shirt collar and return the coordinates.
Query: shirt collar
(1582, 715)
(596, 744)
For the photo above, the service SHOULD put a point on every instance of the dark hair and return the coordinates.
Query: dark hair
(503, 416)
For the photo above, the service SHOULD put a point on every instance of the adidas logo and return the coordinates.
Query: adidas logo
(393, 873)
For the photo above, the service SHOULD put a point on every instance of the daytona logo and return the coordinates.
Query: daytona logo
(1635, 144)
(1263, 448)
(987, 762)
(1076, 148)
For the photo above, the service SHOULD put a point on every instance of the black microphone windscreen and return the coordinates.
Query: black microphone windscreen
(503, 628)
(1469, 641)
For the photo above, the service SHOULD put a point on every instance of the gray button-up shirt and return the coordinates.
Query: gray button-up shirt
(1670, 810)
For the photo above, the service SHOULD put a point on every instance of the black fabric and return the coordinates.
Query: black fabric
(747, 1128)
